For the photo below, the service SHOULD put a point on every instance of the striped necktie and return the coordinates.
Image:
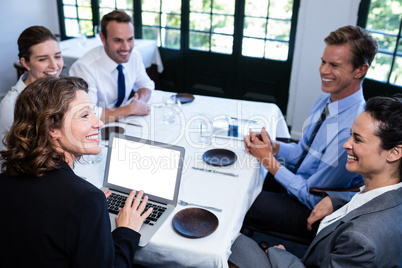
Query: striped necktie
(324, 114)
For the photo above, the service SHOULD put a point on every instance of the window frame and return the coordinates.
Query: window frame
(185, 30)
(160, 28)
(362, 20)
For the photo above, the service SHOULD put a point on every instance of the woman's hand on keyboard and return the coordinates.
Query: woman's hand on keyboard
(107, 192)
(130, 215)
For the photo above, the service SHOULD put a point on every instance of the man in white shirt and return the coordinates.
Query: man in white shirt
(101, 68)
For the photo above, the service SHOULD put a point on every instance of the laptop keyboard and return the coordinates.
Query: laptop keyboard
(116, 201)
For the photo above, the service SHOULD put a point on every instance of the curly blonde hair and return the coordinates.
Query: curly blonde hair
(39, 108)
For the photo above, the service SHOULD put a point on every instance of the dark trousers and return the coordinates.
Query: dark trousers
(276, 210)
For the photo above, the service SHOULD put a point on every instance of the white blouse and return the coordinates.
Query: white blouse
(357, 201)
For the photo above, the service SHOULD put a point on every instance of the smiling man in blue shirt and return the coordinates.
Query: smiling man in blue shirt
(318, 160)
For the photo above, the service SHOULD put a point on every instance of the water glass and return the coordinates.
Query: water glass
(93, 158)
(170, 107)
(82, 40)
(206, 127)
(97, 30)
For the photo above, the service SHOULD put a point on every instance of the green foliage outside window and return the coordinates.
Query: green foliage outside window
(267, 29)
(212, 25)
(384, 22)
(161, 21)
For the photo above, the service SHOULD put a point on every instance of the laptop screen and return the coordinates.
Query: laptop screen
(140, 164)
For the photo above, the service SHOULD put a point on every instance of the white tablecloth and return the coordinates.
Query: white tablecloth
(234, 195)
(73, 49)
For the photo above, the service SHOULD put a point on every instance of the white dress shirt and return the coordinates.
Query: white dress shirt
(7, 107)
(100, 72)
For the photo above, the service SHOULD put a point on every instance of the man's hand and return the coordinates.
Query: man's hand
(261, 147)
(257, 145)
(138, 106)
(322, 209)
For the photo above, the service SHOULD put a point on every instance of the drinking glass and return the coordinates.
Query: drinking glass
(93, 158)
(97, 30)
(82, 40)
(205, 123)
(170, 108)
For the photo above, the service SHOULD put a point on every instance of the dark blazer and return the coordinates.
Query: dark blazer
(369, 236)
(59, 220)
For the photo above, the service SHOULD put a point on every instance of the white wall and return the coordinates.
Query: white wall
(317, 18)
(15, 16)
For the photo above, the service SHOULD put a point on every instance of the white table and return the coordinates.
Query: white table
(234, 195)
(73, 49)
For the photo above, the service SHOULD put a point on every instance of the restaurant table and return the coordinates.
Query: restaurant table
(234, 195)
(73, 49)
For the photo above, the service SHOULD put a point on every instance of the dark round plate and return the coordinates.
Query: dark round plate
(195, 222)
(185, 97)
(105, 132)
(219, 157)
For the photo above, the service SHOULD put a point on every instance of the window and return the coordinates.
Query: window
(212, 25)
(77, 17)
(106, 6)
(161, 21)
(267, 29)
(227, 48)
(384, 22)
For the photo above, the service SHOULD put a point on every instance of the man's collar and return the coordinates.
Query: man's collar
(341, 105)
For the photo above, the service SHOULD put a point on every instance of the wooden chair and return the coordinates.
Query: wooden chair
(20, 69)
(322, 191)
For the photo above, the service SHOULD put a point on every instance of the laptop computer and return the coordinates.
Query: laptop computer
(139, 164)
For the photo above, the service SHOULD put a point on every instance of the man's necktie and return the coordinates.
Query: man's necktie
(313, 134)
(121, 86)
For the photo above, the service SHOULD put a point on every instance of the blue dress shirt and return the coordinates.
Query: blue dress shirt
(324, 165)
